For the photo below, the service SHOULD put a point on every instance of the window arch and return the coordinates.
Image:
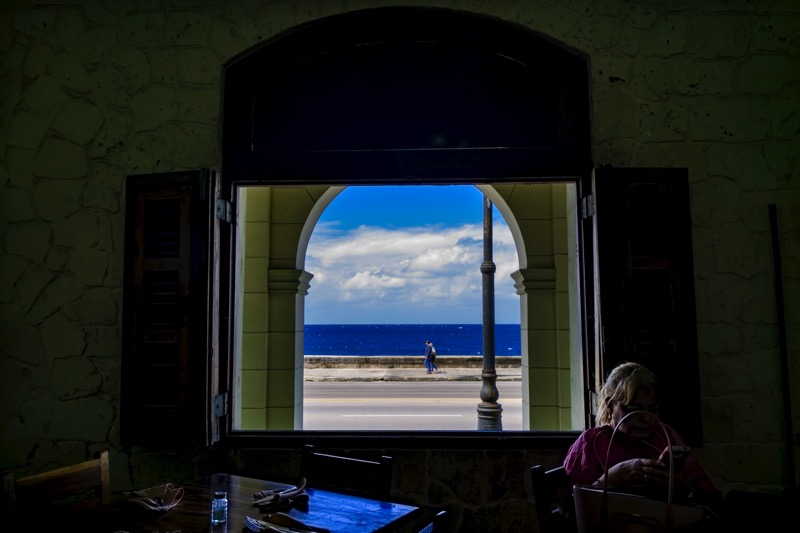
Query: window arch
(408, 96)
(405, 95)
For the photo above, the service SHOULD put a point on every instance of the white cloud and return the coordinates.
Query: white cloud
(427, 274)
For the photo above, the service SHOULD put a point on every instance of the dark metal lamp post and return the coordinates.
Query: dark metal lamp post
(490, 413)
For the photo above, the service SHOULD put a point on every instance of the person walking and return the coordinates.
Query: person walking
(430, 357)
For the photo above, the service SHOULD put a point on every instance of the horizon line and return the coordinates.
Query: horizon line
(411, 324)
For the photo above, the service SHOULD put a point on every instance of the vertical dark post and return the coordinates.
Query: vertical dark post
(490, 413)
(789, 479)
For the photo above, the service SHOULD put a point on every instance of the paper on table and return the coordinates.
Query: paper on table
(278, 499)
(159, 498)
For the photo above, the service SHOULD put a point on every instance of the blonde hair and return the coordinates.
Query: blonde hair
(621, 386)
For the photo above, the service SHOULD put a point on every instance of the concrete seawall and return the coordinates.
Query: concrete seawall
(406, 361)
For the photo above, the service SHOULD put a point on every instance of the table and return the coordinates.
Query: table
(340, 513)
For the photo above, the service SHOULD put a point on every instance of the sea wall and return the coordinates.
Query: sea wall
(405, 361)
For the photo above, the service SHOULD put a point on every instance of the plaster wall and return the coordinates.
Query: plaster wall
(92, 92)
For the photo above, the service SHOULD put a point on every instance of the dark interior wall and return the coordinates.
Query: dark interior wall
(92, 93)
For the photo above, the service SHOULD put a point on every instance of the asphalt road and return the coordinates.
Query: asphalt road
(404, 405)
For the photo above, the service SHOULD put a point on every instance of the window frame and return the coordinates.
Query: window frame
(282, 107)
(368, 439)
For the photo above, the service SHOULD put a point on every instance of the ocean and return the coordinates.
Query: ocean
(407, 339)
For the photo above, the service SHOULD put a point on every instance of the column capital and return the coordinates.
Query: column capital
(534, 279)
(288, 280)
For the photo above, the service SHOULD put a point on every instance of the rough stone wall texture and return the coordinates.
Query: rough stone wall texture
(93, 91)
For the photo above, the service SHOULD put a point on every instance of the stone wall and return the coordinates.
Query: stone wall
(405, 361)
(92, 92)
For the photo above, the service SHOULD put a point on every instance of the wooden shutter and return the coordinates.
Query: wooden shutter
(646, 285)
(168, 338)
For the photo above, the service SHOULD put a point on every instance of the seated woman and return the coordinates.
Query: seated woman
(633, 459)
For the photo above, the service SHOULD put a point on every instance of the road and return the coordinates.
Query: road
(404, 405)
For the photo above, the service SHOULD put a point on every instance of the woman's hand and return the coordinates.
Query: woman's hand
(637, 472)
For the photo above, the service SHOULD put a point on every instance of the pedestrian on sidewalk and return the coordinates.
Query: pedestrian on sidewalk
(430, 358)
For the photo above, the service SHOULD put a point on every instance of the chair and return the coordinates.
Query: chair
(351, 475)
(439, 523)
(546, 484)
(83, 485)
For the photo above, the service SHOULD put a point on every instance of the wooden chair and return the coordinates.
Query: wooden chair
(546, 484)
(82, 486)
(351, 475)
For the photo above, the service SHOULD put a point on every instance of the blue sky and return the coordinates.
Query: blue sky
(407, 255)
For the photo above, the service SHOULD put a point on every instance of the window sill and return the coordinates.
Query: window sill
(468, 440)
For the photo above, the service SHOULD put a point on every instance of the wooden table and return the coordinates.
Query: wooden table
(340, 513)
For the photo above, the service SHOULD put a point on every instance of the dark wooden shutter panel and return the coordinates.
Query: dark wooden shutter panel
(166, 310)
(646, 284)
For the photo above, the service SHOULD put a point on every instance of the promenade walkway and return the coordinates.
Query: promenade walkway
(372, 373)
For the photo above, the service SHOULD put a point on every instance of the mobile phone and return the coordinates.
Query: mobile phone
(679, 455)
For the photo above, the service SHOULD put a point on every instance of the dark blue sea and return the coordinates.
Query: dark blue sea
(407, 339)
